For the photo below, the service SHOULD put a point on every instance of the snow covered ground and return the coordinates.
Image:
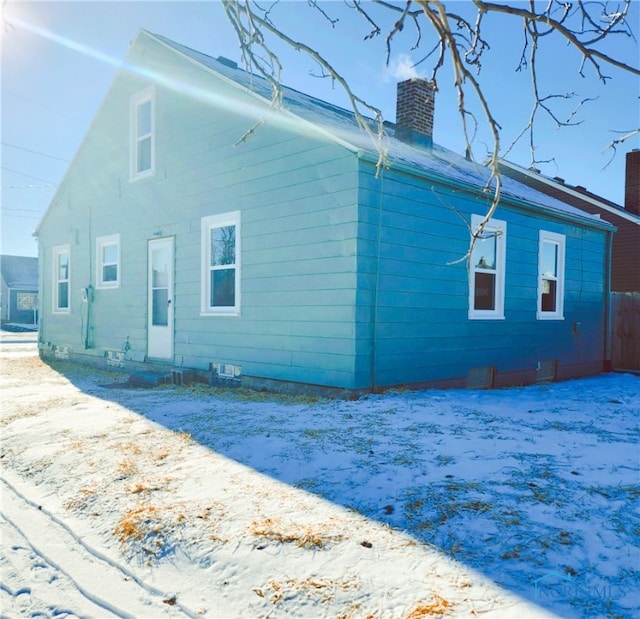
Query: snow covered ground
(190, 501)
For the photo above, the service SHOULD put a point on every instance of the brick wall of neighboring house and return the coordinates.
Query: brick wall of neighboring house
(632, 182)
(625, 272)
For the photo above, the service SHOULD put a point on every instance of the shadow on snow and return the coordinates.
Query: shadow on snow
(523, 485)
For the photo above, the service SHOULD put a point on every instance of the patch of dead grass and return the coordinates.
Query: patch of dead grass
(83, 500)
(273, 529)
(24, 366)
(137, 523)
(20, 413)
(437, 606)
(148, 532)
(129, 447)
(139, 488)
(126, 468)
(35, 408)
(323, 588)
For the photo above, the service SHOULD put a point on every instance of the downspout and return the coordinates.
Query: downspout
(88, 300)
(374, 317)
(607, 365)
(41, 294)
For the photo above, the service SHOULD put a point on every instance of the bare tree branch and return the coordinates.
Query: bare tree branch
(251, 36)
(589, 53)
(459, 44)
(613, 144)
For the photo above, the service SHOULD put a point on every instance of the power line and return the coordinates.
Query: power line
(6, 91)
(21, 210)
(49, 186)
(37, 178)
(35, 152)
(17, 216)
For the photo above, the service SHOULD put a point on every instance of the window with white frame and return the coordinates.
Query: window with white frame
(221, 264)
(551, 253)
(487, 270)
(108, 261)
(27, 300)
(142, 128)
(61, 265)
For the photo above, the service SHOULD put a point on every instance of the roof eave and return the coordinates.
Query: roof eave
(505, 199)
(620, 212)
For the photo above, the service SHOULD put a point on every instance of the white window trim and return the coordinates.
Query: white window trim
(560, 240)
(218, 221)
(148, 94)
(498, 227)
(56, 252)
(101, 242)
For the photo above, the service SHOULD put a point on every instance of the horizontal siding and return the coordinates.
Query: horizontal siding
(341, 272)
(298, 199)
(422, 330)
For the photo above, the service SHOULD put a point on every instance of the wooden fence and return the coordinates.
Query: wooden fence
(625, 330)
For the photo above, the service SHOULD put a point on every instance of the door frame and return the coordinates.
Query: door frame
(160, 338)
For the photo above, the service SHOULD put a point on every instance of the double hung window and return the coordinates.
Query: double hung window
(220, 286)
(551, 276)
(108, 261)
(487, 270)
(142, 128)
(61, 264)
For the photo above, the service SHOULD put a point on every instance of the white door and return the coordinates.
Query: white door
(160, 300)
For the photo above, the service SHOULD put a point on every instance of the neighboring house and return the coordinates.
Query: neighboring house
(19, 292)
(625, 255)
(625, 261)
(284, 260)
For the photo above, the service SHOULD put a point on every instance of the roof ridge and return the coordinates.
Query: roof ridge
(257, 76)
(340, 125)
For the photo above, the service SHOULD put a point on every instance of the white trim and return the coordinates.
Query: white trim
(207, 224)
(498, 228)
(559, 240)
(160, 335)
(147, 95)
(101, 243)
(226, 370)
(56, 252)
(620, 212)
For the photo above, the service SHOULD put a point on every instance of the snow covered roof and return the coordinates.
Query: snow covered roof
(557, 186)
(438, 162)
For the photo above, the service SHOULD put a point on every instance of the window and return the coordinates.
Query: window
(61, 264)
(27, 301)
(221, 264)
(142, 127)
(108, 261)
(551, 276)
(487, 270)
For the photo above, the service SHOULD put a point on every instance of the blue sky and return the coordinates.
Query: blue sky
(57, 70)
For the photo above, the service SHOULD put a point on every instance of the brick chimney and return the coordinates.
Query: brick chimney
(632, 182)
(414, 111)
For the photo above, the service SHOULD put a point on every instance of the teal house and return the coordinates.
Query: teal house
(284, 261)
